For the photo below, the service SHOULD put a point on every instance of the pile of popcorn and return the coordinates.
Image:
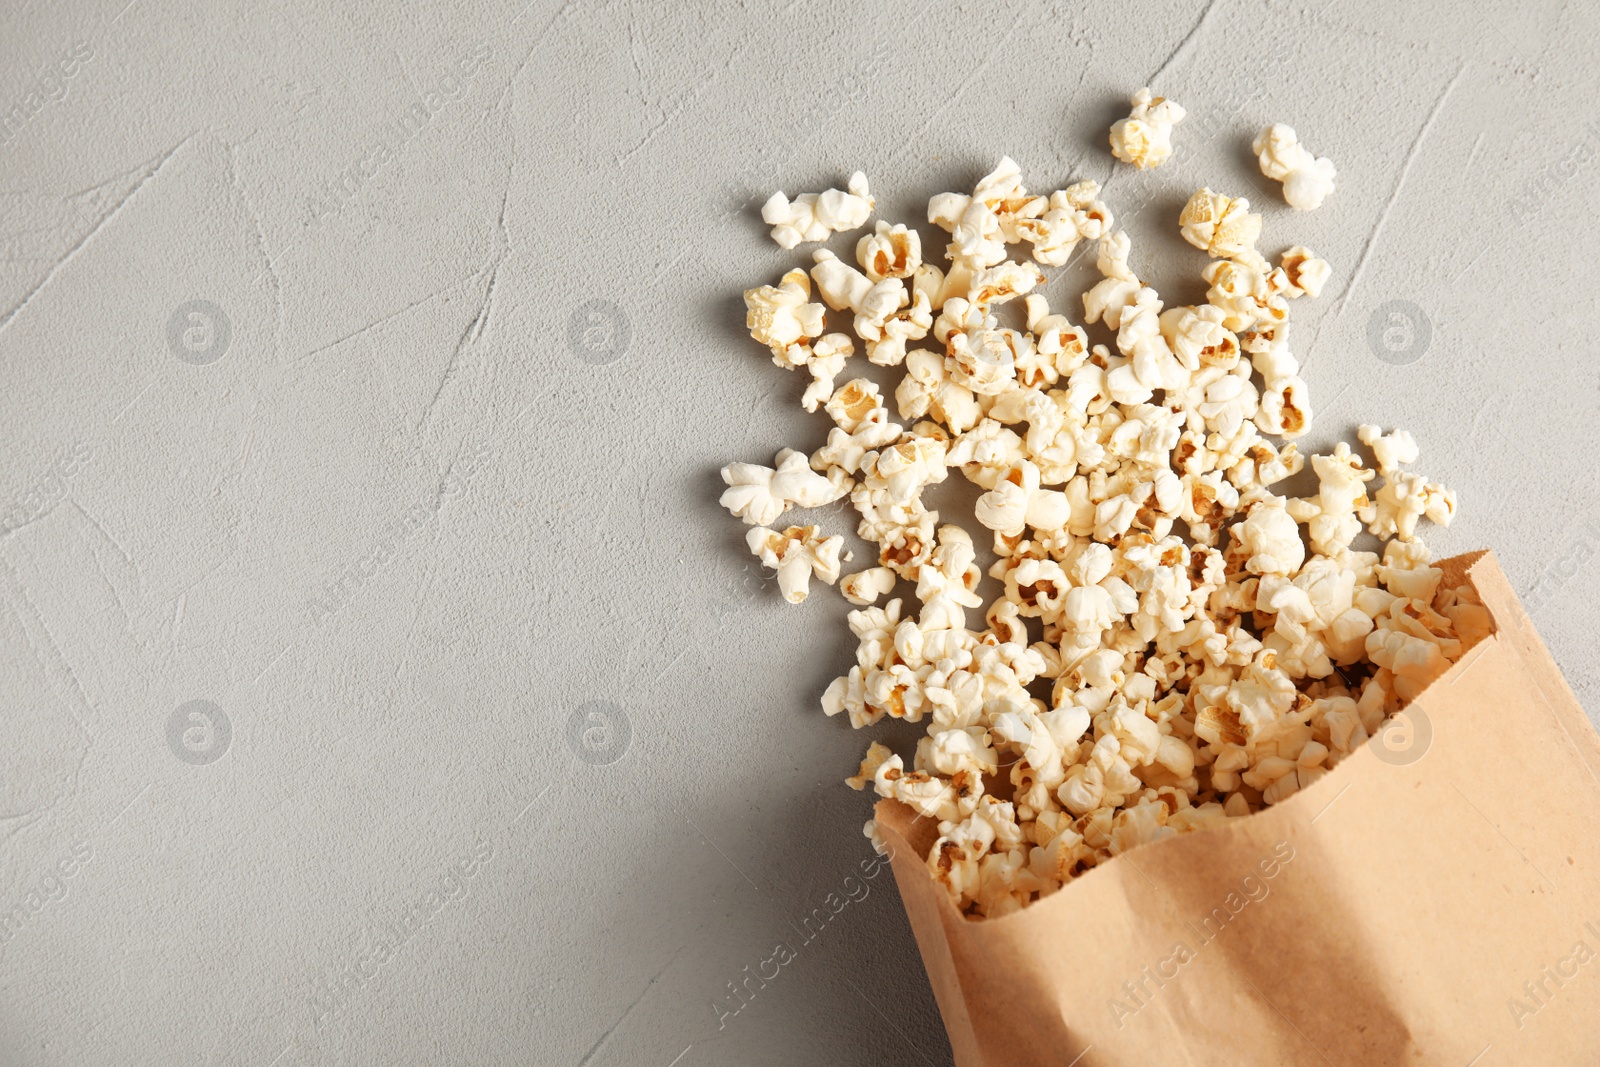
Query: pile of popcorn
(1174, 644)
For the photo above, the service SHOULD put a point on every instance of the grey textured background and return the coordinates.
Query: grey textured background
(517, 491)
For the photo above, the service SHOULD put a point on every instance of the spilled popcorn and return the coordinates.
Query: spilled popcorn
(1144, 138)
(815, 216)
(1173, 644)
(1307, 180)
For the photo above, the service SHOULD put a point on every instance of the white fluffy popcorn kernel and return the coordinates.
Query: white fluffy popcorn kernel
(1305, 273)
(1307, 180)
(1221, 226)
(876, 755)
(1072, 214)
(813, 216)
(797, 554)
(1394, 510)
(758, 494)
(868, 586)
(890, 252)
(1144, 138)
(828, 357)
(1271, 539)
(1284, 411)
(783, 318)
(1392, 451)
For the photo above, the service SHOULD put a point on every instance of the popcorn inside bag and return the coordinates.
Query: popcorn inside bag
(1174, 644)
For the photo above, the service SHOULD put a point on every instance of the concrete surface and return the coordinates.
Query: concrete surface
(365, 375)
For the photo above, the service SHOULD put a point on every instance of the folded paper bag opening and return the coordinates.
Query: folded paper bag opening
(1440, 904)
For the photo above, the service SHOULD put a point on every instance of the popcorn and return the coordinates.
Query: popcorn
(1198, 338)
(827, 360)
(902, 470)
(1174, 643)
(1403, 500)
(875, 303)
(1304, 273)
(876, 756)
(758, 495)
(1240, 289)
(1392, 451)
(1307, 180)
(890, 252)
(782, 318)
(856, 405)
(1332, 517)
(813, 216)
(797, 554)
(1002, 282)
(1071, 215)
(866, 587)
(1283, 409)
(1001, 211)
(929, 389)
(1144, 138)
(1226, 402)
(1221, 226)
(1271, 539)
(1405, 497)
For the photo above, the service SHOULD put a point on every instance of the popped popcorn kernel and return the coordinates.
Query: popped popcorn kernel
(1307, 179)
(1144, 138)
(797, 554)
(875, 757)
(783, 318)
(1219, 225)
(758, 495)
(890, 252)
(1304, 272)
(868, 586)
(814, 216)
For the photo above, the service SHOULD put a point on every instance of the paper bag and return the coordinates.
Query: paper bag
(1433, 900)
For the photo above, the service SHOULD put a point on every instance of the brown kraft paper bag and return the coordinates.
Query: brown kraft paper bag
(1433, 900)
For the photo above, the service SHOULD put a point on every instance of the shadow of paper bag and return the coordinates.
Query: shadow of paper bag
(1435, 901)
